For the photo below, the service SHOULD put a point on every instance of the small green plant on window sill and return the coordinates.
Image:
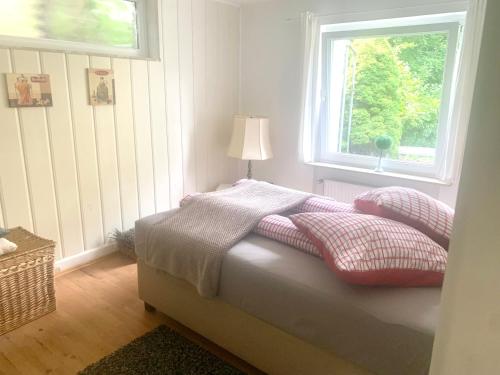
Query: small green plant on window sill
(383, 143)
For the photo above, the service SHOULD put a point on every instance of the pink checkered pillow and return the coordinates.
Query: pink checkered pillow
(281, 228)
(409, 206)
(370, 250)
(323, 204)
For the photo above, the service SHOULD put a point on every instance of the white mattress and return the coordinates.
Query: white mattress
(386, 330)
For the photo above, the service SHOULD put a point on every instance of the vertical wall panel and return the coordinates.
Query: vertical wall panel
(226, 102)
(185, 28)
(37, 156)
(159, 129)
(86, 154)
(63, 155)
(231, 75)
(159, 135)
(142, 125)
(172, 89)
(200, 92)
(220, 142)
(213, 87)
(104, 121)
(125, 142)
(14, 188)
(2, 222)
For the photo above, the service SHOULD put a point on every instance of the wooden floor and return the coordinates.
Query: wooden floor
(98, 311)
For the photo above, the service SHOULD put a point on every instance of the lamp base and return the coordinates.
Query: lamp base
(249, 171)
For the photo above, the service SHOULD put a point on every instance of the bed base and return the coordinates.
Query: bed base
(253, 340)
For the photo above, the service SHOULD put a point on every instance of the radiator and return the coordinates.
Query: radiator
(343, 191)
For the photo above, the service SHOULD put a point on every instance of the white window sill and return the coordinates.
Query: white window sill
(391, 175)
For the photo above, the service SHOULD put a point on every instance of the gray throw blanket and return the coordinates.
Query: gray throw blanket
(191, 242)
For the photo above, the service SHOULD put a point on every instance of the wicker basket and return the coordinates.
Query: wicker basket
(26, 280)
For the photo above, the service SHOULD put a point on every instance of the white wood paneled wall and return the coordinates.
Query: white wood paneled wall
(73, 172)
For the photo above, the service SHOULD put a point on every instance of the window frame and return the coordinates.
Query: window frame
(452, 26)
(147, 24)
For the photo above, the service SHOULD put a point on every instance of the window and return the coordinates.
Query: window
(94, 26)
(384, 79)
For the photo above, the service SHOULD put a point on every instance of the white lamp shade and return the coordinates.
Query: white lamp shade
(250, 140)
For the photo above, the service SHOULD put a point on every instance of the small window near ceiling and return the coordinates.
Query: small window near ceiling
(395, 81)
(93, 26)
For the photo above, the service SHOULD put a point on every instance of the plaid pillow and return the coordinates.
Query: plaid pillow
(370, 250)
(409, 206)
(323, 204)
(280, 228)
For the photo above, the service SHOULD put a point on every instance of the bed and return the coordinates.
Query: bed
(285, 312)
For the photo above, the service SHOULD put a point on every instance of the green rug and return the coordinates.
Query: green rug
(161, 351)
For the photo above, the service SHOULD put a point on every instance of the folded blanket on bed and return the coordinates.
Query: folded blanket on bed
(192, 241)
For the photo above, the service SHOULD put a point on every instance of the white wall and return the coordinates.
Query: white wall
(468, 338)
(271, 82)
(73, 173)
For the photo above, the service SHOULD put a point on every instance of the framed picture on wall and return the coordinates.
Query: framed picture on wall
(28, 90)
(101, 86)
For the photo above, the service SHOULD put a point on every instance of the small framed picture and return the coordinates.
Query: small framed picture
(28, 90)
(101, 86)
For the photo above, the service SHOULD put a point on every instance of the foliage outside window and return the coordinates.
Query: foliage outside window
(391, 82)
(105, 25)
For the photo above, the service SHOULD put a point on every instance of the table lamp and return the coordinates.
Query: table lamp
(250, 140)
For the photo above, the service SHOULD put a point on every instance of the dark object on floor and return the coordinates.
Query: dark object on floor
(161, 352)
(125, 241)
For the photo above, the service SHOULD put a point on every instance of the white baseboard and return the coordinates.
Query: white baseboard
(84, 257)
